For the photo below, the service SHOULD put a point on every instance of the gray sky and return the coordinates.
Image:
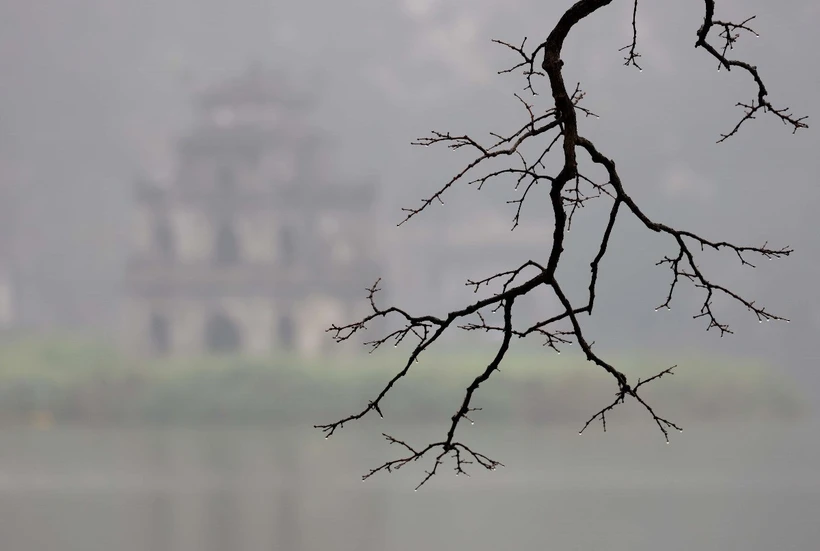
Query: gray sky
(92, 92)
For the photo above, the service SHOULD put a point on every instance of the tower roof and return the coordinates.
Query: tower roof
(258, 86)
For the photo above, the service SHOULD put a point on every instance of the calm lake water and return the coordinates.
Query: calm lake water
(746, 486)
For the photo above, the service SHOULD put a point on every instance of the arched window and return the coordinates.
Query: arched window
(222, 335)
(225, 181)
(160, 334)
(226, 248)
(286, 333)
(164, 240)
(287, 247)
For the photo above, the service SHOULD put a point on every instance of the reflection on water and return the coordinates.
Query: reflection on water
(721, 487)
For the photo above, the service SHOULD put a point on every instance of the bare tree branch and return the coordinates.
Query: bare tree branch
(633, 55)
(730, 35)
(569, 190)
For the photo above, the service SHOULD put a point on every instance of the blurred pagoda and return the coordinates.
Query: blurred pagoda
(253, 247)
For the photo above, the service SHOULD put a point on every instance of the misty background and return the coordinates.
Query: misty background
(95, 93)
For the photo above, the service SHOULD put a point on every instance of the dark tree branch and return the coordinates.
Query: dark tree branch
(569, 191)
(693, 273)
(633, 55)
(730, 35)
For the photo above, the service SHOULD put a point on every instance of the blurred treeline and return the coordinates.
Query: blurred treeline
(70, 380)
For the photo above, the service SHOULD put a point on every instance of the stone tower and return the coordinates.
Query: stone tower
(253, 247)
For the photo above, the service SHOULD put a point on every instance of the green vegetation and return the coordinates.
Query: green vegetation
(75, 381)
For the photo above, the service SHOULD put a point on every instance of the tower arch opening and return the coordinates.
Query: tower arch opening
(225, 181)
(164, 240)
(160, 334)
(222, 335)
(226, 248)
(286, 333)
(287, 246)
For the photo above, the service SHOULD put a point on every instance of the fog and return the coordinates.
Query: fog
(104, 141)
